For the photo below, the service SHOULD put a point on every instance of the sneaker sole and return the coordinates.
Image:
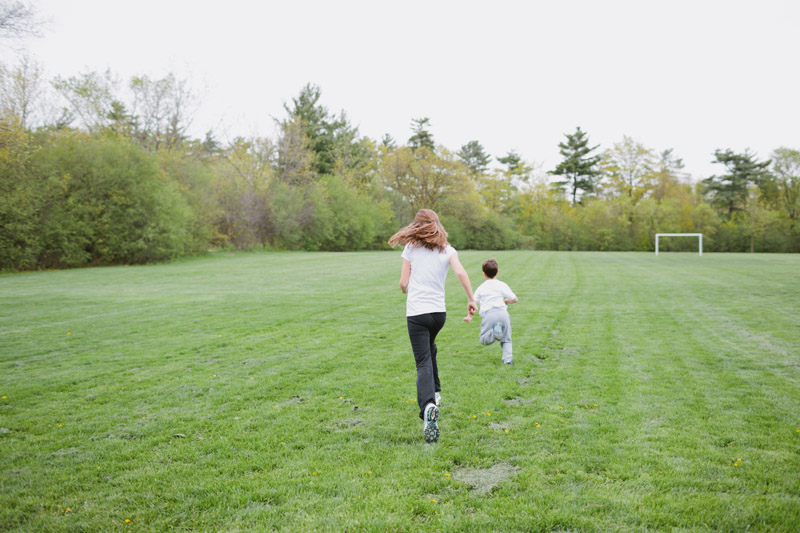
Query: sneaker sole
(431, 426)
(498, 331)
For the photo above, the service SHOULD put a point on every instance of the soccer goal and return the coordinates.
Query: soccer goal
(698, 235)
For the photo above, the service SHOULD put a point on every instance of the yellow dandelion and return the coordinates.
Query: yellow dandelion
(251, 379)
(3, 398)
(68, 333)
(370, 472)
(506, 431)
(341, 397)
(739, 460)
(798, 431)
(595, 405)
(433, 500)
(473, 416)
(59, 425)
(488, 414)
(313, 473)
(447, 475)
(735, 464)
(68, 509)
(127, 520)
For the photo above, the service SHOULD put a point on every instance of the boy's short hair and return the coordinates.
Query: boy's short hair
(490, 267)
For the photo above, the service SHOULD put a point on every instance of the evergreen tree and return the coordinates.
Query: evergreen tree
(578, 168)
(422, 137)
(328, 135)
(474, 156)
(730, 191)
(516, 168)
(387, 141)
(502, 186)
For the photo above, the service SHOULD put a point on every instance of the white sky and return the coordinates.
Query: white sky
(690, 75)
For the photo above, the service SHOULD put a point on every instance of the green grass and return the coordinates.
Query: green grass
(276, 391)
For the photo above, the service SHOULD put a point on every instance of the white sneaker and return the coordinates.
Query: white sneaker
(497, 329)
(438, 398)
(429, 423)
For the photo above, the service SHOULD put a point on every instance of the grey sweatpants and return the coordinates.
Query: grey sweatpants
(487, 331)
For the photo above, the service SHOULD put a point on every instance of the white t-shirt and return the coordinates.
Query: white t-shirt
(428, 274)
(490, 295)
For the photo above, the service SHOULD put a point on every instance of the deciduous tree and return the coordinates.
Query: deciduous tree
(18, 19)
(422, 177)
(163, 109)
(628, 169)
(21, 91)
(786, 166)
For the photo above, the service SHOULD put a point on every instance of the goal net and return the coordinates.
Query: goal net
(698, 235)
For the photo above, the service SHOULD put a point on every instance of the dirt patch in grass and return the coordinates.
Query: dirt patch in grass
(483, 480)
(350, 423)
(518, 401)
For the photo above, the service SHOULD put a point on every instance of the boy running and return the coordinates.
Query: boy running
(493, 297)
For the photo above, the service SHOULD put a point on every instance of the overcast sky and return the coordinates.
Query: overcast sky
(690, 75)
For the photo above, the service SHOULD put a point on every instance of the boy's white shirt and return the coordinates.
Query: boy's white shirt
(428, 274)
(490, 295)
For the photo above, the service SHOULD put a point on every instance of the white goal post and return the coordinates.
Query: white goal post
(698, 235)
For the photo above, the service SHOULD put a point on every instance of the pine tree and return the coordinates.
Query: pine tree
(422, 137)
(328, 135)
(473, 155)
(730, 191)
(578, 168)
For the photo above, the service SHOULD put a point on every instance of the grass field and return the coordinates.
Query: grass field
(275, 391)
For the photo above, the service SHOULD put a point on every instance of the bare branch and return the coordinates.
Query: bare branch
(18, 19)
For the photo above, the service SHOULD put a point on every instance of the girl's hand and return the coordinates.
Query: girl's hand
(468, 318)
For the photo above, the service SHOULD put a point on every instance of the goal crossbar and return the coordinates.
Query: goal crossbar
(698, 235)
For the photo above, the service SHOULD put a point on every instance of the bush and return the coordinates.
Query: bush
(344, 219)
(92, 200)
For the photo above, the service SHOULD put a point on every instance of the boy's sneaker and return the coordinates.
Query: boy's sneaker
(429, 423)
(508, 362)
(437, 398)
(498, 331)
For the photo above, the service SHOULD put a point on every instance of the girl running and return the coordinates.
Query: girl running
(426, 258)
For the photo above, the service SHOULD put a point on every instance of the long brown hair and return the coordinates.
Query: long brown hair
(425, 230)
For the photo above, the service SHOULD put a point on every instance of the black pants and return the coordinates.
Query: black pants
(422, 330)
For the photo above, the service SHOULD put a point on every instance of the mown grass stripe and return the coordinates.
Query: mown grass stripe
(291, 384)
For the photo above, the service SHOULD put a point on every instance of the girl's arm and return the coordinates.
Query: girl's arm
(405, 275)
(463, 278)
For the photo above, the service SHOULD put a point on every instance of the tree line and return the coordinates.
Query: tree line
(95, 171)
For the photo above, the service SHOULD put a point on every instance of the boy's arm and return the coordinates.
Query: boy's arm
(510, 297)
